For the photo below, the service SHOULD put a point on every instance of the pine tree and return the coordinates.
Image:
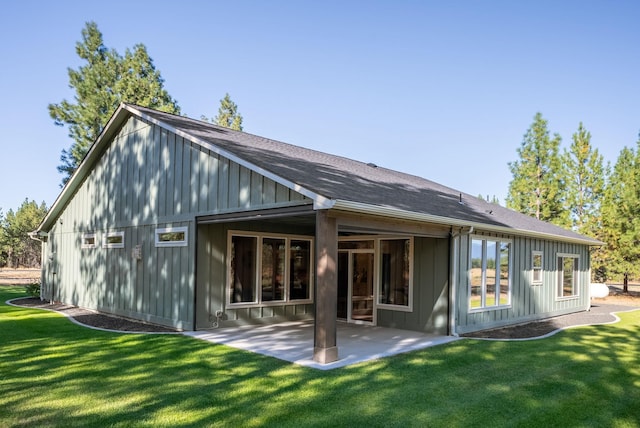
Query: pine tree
(101, 84)
(15, 245)
(585, 179)
(621, 219)
(140, 82)
(228, 115)
(536, 187)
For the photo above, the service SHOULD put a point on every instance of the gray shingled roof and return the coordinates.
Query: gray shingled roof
(341, 179)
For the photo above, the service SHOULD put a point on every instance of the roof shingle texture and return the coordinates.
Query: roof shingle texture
(340, 178)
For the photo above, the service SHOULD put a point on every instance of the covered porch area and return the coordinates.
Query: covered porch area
(294, 341)
(362, 273)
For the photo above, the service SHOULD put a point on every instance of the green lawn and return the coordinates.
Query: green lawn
(55, 373)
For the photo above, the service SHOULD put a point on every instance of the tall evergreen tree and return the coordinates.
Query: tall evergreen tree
(536, 187)
(228, 115)
(17, 248)
(585, 179)
(621, 219)
(139, 82)
(101, 84)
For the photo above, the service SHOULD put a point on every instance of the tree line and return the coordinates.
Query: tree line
(572, 188)
(17, 249)
(575, 189)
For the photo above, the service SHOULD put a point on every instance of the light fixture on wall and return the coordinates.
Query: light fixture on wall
(136, 253)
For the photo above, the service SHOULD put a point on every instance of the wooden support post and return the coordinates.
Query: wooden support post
(325, 349)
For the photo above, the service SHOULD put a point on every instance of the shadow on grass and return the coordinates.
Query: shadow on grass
(55, 373)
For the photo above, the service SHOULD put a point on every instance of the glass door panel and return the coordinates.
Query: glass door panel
(362, 287)
(343, 284)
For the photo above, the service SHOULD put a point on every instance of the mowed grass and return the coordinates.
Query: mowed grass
(54, 373)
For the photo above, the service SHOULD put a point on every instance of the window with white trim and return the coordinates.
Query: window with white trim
(568, 273)
(89, 240)
(269, 269)
(536, 267)
(489, 273)
(395, 272)
(114, 240)
(171, 237)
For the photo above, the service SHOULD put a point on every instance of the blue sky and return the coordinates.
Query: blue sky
(443, 90)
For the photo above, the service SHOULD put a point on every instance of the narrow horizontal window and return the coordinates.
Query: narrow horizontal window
(114, 240)
(89, 240)
(171, 237)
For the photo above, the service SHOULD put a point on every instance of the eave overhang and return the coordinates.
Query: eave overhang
(394, 213)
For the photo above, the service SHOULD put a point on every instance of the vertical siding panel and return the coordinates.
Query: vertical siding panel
(234, 185)
(186, 188)
(201, 188)
(178, 188)
(198, 186)
(176, 283)
(244, 188)
(149, 262)
(521, 268)
(131, 163)
(269, 191)
(166, 177)
(152, 170)
(257, 189)
(112, 193)
(282, 193)
(223, 184)
(142, 140)
(122, 179)
(214, 180)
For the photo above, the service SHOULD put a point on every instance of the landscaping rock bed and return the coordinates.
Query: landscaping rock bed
(93, 319)
(599, 314)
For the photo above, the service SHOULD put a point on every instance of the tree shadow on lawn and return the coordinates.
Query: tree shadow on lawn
(56, 373)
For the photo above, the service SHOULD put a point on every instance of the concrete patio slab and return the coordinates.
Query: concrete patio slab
(293, 342)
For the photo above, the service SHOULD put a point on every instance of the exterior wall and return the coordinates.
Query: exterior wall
(212, 279)
(528, 301)
(147, 178)
(430, 290)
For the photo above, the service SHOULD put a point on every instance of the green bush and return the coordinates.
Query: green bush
(33, 289)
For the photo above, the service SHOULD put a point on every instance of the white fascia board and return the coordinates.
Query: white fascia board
(358, 207)
(319, 201)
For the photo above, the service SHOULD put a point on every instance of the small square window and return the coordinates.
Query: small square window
(89, 240)
(114, 240)
(171, 237)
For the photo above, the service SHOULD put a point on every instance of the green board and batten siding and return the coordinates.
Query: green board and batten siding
(430, 290)
(528, 301)
(147, 178)
(212, 278)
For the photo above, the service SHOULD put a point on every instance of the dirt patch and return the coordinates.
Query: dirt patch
(618, 297)
(93, 319)
(19, 276)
